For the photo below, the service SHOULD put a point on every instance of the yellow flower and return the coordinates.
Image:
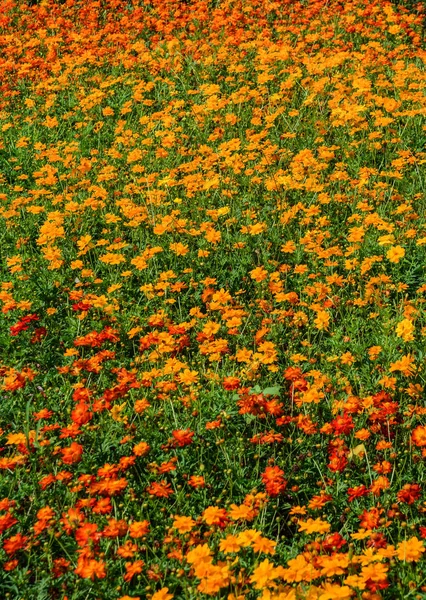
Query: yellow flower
(395, 253)
(112, 259)
(410, 550)
(263, 574)
(179, 249)
(374, 571)
(187, 377)
(405, 330)
(322, 320)
(229, 544)
(404, 364)
(314, 526)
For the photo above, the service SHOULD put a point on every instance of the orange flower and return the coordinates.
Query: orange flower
(90, 568)
(264, 575)
(405, 330)
(314, 526)
(418, 436)
(160, 489)
(241, 513)
(112, 259)
(230, 544)
(273, 479)
(410, 550)
(213, 515)
(183, 437)
(162, 594)
(197, 481)
(322, 320)
(138, 529)
(259, 274)
(72, 454)
(183, 524)
(405, 364)
(370, 519)
(14, 543)
(141, 449)
(132, 569)
(187, 377)
(199, 555)
(179, 249)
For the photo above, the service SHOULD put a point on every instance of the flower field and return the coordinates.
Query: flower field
(212, 292)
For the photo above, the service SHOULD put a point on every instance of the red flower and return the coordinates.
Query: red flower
(60, 566)
(23, 324)
(14, 543)
(197, 481)
(333, 542)
(409, 493)
(231, 383)
(81, 414)
(72, 454)
(39, 333)
(90, 568)
(160, 489)
(370, 519)
(133, 568)
(183, 437)
(342, 425)
(357, 492)
(273, 479)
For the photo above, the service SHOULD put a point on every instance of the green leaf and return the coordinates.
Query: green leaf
(271, 391)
